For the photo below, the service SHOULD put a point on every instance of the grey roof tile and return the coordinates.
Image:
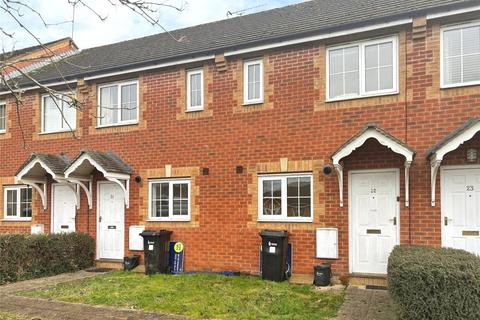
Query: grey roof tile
(452, 135)
(56, 163)
(374, 126)
(107, 160)
(304, 19)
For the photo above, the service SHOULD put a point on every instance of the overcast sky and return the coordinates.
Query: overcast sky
(121, 23)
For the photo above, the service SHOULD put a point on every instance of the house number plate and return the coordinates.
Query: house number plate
(374, 231)
(470, 233)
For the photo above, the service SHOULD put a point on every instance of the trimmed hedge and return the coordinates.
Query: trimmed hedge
(434, 283)
(24, 256)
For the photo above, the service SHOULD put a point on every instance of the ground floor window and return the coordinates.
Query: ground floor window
(285, 197)
(169, 200)
(18, 203)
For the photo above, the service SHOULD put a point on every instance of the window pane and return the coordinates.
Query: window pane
(277, 188)
(160, 198)
(195, 90)
(267, 188)
(267, 206)
(471, 68)
(371, 56)
(12, 203)
(52, 117)
(336, 61)
(69, 117)
(292, 207)
(471, 40)
(371, 80)
(253, 81)
(352, 83)
(2, 116)
(292, 187)
(351, 59)
(304, 186)
(129, 102)
(386, 78)
(452, 43)
(386, 54)
(336, 85)
(304, 209)
(452, 70)
(26, 202)
(109, 105)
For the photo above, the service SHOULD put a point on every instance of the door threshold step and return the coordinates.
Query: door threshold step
(109, 264)
(368, 280)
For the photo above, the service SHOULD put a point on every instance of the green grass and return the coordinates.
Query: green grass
(12, 316)
(199, 296)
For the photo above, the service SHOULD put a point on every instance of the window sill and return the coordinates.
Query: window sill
(309, 220)
(169, 220)
(17, 219)
(194, 110)
(459, 85)
(390, 93)
(252, 103)
(57, 132)
(118, 125)
(3, 131)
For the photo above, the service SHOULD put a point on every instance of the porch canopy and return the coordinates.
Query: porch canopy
(37, 167)
(372, 131)
(113, 169)
(449, 143)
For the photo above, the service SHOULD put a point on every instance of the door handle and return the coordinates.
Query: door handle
(100, 219)
(446, 220)
(394, 220)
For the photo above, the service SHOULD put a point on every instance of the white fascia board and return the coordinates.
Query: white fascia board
(38, 87)
(156, 66)
(320, 37)
(452, 12)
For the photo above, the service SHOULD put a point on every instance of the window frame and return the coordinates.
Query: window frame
(283, 217)
(361, 56)
(202, 92)
(4, 105)
(42, 117)
(246, 64)
(171, 217)
(18, 188)
(119, 85)
(451, 27)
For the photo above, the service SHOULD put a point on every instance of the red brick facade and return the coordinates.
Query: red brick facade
(294, 122)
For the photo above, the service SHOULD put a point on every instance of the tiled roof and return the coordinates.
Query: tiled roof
(304, 19)
(107, 160)
(56, 163)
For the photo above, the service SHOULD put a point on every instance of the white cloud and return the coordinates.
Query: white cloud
(121, 23)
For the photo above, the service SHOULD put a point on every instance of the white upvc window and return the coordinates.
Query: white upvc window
(17, 203)
(169, 200)
(460, 55)
(285, 197)
(58, 113)
(118, 103)
(195, 93)
(253, 81)
(362, 69)
(3, 117)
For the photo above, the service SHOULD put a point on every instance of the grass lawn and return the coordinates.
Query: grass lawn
(199, 296)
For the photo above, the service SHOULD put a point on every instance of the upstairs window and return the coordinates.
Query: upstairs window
(18, 203)
(195, 90)
(253, 81)
(118, 104)
(285, 198)
(362, 69)
(170, 200)
(460, 55)
(58, 114)
(3, 117)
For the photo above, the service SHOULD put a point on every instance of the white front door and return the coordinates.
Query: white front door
(374, 219)
(63, 208)
(110, 217)
(461, 209)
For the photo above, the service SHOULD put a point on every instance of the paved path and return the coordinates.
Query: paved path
(361, 304)
(42, 309)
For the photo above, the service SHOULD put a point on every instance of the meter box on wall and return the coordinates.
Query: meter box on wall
(135, 241)
(327, 243)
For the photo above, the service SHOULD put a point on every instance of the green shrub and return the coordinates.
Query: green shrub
(434, 283)
(24, 256)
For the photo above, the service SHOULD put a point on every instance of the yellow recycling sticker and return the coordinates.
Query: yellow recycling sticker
(178, 247)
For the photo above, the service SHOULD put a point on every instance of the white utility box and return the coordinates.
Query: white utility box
(327, 243)
(135, 240)
(37, 229)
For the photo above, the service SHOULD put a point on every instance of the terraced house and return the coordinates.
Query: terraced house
(351, 124)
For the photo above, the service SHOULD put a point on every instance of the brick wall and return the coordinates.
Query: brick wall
(294, 123)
